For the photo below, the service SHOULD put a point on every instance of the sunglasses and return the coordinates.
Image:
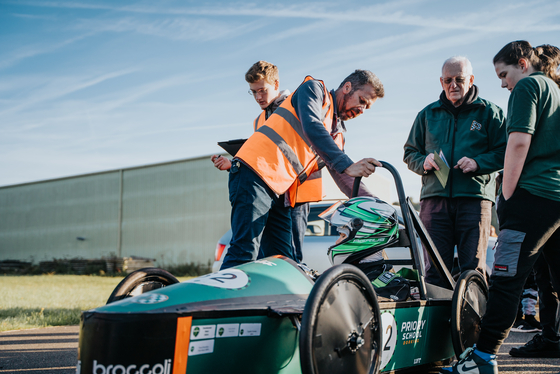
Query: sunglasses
(458, 80)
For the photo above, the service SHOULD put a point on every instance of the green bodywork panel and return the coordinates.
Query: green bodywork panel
(268, 277)
(414, 336)
(275, 350)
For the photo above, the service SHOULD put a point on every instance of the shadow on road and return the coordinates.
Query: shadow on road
(49, 350)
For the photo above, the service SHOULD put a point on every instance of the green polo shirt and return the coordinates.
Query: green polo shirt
(534, 108)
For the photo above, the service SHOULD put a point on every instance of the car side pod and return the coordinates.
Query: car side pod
(340, 328)
(467, 308)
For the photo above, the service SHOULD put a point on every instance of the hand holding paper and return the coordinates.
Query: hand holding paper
(429, 162)
(443, 173)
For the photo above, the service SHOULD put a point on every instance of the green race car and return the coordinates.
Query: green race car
(276, 316)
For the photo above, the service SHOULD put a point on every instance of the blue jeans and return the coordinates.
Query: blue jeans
(256, 214)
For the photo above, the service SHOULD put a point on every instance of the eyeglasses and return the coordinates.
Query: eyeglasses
(458, 80)
(262, 91)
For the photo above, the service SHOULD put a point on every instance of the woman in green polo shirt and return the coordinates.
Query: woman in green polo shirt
(529, 206)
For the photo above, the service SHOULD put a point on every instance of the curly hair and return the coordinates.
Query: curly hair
(262, 70)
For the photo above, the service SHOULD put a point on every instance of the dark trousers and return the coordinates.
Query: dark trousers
(548, 299)
(256, 213)
(463, 222)
(299, 225)
(528, 226)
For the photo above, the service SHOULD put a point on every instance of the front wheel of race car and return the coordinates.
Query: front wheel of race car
(467, 308)
(340, 328)
(140, 281)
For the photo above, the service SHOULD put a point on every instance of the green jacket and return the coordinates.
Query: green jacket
(478, 132)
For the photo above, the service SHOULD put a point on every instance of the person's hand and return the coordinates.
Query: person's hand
(362, 168)
(429, 162)
(221, 162)
(467, 165)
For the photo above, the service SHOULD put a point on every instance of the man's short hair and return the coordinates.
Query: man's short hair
(360, 78)
(262, 70)
(456, 60)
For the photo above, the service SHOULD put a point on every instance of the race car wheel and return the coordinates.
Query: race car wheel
(140, 281)
(340, 327)
(468, 307)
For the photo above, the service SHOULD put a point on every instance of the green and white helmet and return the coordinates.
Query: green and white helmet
(370, 224)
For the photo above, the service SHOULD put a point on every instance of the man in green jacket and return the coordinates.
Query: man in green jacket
(468, 134)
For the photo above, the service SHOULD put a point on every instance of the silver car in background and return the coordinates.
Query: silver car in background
(319, 236)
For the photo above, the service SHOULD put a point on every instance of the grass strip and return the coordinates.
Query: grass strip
(51, 300)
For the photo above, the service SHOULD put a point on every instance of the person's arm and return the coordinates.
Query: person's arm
(308, 104)
(346, 183)
(521, 125)
(221, 162)
(516, 152)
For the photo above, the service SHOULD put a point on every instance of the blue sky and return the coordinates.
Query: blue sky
(88, 86)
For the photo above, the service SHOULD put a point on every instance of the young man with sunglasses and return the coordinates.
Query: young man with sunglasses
(468, 133)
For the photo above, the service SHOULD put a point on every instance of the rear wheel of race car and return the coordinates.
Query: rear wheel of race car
(140, 281)
(340, 328)
(468, 307)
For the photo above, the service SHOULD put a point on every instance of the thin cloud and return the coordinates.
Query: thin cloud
(33, 16)
(63, 86)
(175, 28)
(386, 13)
(35, 50)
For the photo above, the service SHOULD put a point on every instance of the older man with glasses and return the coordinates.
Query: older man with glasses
(457, 144)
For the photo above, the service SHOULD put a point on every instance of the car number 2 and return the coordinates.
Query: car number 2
(231, 279)
(389, 328)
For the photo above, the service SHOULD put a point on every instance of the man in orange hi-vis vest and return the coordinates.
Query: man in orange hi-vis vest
(267, 172)
(264, 85)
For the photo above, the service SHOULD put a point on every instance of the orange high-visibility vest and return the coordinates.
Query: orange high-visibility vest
(312, 189)
(281, 155)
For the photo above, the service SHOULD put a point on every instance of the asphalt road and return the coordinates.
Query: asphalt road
(55, 350)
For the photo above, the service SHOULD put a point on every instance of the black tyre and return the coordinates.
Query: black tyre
(340, 327)
(468, 307)
(140, 281)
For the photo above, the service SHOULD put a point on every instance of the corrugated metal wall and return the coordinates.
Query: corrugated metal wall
(173, 212)
(41, 221)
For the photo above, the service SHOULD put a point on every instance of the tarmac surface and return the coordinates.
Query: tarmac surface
(55, 350)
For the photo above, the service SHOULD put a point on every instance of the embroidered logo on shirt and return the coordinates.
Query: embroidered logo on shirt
(500, 267)
(475, 126)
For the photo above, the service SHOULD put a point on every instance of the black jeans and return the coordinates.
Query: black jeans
(460, 221)
(528, 226)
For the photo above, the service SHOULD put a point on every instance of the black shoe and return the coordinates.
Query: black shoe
(531, 320)
(539, 347)
(522, 325)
